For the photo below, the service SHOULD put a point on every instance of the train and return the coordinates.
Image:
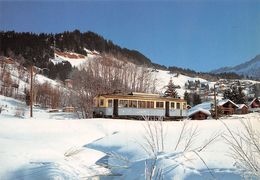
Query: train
(138, 105)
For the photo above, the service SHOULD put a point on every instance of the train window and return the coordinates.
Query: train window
(150, 104)
(123, 103)
(178, 106)
(101, 102)
(184, 105)
(159, 104)
(110, 103)
(133, 104)
(172, 105)
(141, 104)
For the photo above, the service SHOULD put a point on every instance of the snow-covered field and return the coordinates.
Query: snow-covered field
(46, 147)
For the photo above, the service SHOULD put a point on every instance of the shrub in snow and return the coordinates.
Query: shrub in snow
(20, 111)
(245, 148)
(185, 146)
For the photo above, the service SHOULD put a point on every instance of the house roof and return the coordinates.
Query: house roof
(194, 111)
(206, 105)
(209, 104)
(240, 106)
(224, 101)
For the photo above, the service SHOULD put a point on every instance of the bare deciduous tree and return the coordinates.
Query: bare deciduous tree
(47, 96)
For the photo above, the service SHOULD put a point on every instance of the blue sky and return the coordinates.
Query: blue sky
(200, 34)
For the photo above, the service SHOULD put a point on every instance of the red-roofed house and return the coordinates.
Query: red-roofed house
(254, 105)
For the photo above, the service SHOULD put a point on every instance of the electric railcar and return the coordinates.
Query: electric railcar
(137, 105)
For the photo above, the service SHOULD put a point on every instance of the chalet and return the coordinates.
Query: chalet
(199, 114)
(227, 106)
(69, 109)
(254, 105)
(242, 109)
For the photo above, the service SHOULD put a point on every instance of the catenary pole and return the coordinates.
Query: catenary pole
(31, 93)
(215, 103)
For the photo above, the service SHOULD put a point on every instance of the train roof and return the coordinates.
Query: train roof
(144, 96)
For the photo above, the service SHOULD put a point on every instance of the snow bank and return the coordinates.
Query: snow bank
(48, 149)
(10, 107)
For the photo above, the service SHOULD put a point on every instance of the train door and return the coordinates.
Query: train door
(115, 108)
(167, 109)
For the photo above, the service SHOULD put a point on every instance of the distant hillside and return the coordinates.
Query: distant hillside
(249, 69)
(204, 75)
(29, 48)
(38, 48)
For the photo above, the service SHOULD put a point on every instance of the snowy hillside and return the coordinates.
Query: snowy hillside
(16, 80)
(11, 107)
(163, 77)
(44, 148)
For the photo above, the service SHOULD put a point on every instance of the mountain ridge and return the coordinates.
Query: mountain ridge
(249, 68)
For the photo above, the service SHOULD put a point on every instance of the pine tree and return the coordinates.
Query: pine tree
(196, 99)
(235, 94)
(227, 94)
(242, 96)
(187, 97)
(171, 91)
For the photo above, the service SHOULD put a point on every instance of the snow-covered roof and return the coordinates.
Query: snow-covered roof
(240, 106)
(206, 105)
(194, 111)
(224, 101)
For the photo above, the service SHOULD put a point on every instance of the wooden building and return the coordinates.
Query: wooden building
(68, 109)
(242, 109)
(227, 106)
(199, 114)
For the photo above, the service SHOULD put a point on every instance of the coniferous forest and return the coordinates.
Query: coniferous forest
(30, 48)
